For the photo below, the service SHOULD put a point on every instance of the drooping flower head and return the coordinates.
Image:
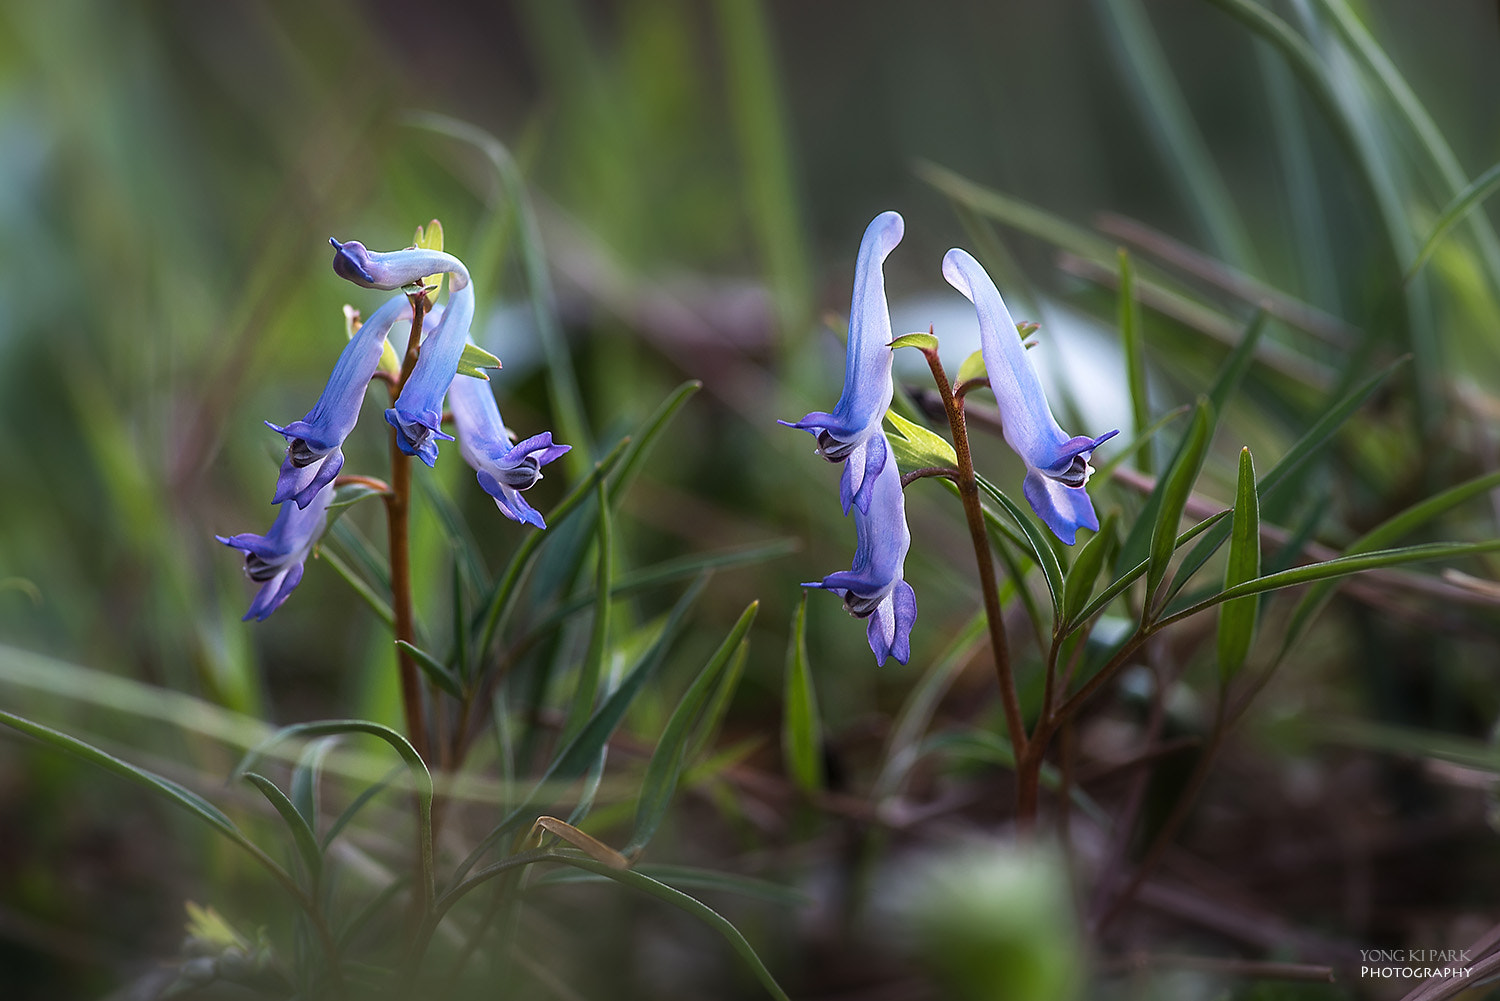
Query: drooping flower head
(314, 452)
(504, 470)
(418, 412)
(1057, 467)
(851, 433)
(873, 587)
(274, 560)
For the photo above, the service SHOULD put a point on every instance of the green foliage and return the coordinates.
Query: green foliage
(801, 729)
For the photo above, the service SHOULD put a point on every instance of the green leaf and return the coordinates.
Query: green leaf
(918, 448)
(302, 833)
(972, 367)
(591, 670)
(1341, 566)
(306, 779)
(1119, 455)
(1174, 488)
(921, 341)
(707, 730)
(378, 604)
(1386, 532)
(1453, 213)
(1130, 576)
(801, 733)
(662, 773)
(500, 595)
(582, 752)
(645, 438)
(1233, 370)
(1078, 585)
(1280, 475)
(183, 797)
(1039, 544)
(691, 905)
(436, 671)
(990, 748)
(691, 877)
(475, 360)
(1237, 617)
(1132, 336)
(421, 777)
(357, 804)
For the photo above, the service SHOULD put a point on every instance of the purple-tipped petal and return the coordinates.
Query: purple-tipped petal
(417, 414)
(867, 368)
(367, 268)
(1057, 465)
(503, 469)
(275, 560)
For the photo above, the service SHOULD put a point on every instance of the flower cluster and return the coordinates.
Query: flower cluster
(314, 452)
(1057, 466)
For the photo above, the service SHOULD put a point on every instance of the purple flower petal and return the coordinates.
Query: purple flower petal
(503, 469)
(275, 560)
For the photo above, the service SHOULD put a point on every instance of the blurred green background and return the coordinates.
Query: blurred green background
(170, 174)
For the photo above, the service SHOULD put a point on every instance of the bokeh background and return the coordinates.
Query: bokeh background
(702, 172)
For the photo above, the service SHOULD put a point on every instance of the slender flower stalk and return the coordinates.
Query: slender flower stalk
(1057, 467)
(851, 434)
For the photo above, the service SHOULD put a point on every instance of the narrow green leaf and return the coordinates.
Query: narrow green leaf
(1453, 213)
(351, 494)
(1237, 618)
(1078, 585)
(712, 718)
(693, 878)
(582, 752)
(307, 777)
(701, 911)
(921, 341)
(1015, 212)
(1387, 532)
(475, 360)
(1119, 455)
(435, 670)
(500, 595)
(1039, 544)
(1341, 566)
(302, 834)
(916, 447)
(1280, 475)
(801, 733)
(379, 605)
(645, 437)
(421, 777)
(183, 797)
(1132, 336)
(357, 804)
(660, 781)
(1233, 370)
(1130, 576)
(991, 748)
(1175, 486)
(592, 667)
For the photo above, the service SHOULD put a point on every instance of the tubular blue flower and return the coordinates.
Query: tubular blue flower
(873, 587)
(1057, 467)
(314, 452)
(504, 470)
(851, 433)
(417, 415)
(274, 560)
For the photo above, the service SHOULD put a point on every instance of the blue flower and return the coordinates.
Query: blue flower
(873, 587)
(274, 560)
(314, 452)
(851, 434)
(504, 470)
(418, 412)
(1057, 467)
